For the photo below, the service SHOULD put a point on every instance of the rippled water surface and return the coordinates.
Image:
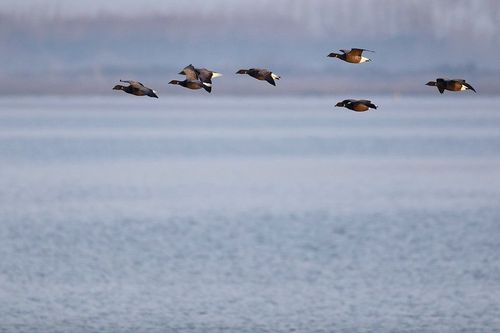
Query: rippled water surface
(249, 215)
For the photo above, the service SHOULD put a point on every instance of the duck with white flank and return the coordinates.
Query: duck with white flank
(451, 85)
(354, 56)
(136, 88)
(260, 74)
(358, 105)
(193, 80)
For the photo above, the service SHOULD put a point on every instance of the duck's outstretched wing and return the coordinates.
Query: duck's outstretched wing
(358, 51)
(367, 103)
(189, 67)
(269, 78)
(205, 75)
(132, 82)
(190, 73)
(469, 86)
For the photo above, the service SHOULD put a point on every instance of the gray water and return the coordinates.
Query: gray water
(211, 214)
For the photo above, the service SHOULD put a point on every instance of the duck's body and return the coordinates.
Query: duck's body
(136, 88)
(354, 56)
(194, 85)
(358, 105)
(260, 74)
(451, 85)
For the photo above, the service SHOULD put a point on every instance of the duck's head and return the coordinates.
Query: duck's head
(431, 83)
(340, 104)
(118, 87)
(242, 71)
(174, 82)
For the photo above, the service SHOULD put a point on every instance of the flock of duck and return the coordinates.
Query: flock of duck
(201, 78)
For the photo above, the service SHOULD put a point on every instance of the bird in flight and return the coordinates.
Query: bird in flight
(354, 56)
(136, 88)
(260, 74)
(195, 80)
(451, 85)
(358, 105)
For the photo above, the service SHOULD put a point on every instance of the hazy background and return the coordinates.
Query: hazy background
(272, 212)
(62, 47)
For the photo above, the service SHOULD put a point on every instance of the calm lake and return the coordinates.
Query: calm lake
(240, 214)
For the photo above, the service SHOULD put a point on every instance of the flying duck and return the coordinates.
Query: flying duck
(260, 74)
(451, 85)
(136, 88)
(203, 74)
(358, 105)
(353, 55)
(192, 80)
